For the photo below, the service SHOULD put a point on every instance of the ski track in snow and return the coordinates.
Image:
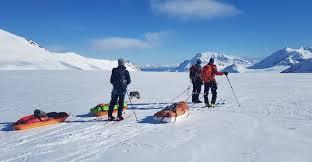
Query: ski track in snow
(272, 109)
(34, 137)
(126, 135)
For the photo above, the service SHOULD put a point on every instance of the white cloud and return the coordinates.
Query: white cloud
(149, 40)
(189, 9)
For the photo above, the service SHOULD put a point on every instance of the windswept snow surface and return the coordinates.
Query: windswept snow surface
(274, 122)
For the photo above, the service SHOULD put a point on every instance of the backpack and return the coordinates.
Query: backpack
(208, 73)
(195, 73)
(119, 77)
(122, 77)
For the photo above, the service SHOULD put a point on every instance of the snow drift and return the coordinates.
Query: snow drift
(221, 60)
(284, 57)
(18, 53)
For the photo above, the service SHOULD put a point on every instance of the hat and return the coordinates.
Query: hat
(211, 61)
(199, 61)
(121, 62)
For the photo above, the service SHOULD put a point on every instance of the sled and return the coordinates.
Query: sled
(173, 113)
(102, 109)
(31, 121)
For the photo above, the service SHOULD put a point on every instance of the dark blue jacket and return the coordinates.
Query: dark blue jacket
(120, 79)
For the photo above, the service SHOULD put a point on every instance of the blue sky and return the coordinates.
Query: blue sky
(160, 31)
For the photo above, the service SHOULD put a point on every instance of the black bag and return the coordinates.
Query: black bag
(39, 113)
(135, 94)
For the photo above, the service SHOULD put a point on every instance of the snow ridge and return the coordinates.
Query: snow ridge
(18, 53)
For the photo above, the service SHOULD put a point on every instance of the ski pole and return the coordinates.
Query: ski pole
(136, 118)
(233, 90)
(180, 94)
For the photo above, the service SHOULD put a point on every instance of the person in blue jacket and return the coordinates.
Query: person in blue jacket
(120, 79)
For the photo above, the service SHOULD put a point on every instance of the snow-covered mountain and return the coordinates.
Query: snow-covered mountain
(234, 68)
(284, 57)
(303, 67)
(221, 60)
(18, 53)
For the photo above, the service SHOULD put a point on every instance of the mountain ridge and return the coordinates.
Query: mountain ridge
(284, 57)
(221, 60)
(19, 53)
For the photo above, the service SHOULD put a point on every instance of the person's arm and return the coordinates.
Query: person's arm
(216, 71)
(192, 73)
(203, 72)
(128, 77)
(113, 79)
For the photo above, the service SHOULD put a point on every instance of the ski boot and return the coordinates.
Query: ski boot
(120, 118)
(198, 101)
(111, 118)
(207, 105)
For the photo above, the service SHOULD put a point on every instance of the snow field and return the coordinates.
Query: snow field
(273, 124)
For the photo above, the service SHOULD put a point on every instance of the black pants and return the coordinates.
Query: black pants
(213, 86)
(196, 91)
(113, 102)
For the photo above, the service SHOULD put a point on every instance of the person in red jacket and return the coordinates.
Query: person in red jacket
(208, 76)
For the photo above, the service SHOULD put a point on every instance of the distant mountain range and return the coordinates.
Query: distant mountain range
(221, 60)
(284, 57)
(303, 67)
(297, 60)
(158, 68)
(18, 53)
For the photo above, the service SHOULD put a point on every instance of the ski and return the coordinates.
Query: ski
(116, 120)
(219, 104)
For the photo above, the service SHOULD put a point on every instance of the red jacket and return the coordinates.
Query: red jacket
(209, 73)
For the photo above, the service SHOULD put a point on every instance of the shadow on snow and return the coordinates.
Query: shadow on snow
(150, 120)
(7, 126)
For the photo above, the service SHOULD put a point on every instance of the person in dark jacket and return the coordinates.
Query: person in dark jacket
(120, 79)
(196, 78)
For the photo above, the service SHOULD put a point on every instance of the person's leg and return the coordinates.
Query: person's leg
(194, 92)
(198, 90)
(112, 105)
(214, 92)
(206, 91)
(121, 105)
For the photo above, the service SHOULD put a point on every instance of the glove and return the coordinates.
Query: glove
(225, 73)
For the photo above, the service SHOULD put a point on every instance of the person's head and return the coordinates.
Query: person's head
(211, 61)
(199, 62)
(121, 62)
